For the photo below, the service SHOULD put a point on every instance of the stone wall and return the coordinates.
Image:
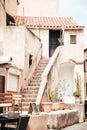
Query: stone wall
(62, 118)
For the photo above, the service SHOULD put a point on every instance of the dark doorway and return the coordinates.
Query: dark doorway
(86, 109)
(53, 41)
(2, 88)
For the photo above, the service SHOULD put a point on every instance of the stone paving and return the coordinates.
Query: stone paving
(79, 126)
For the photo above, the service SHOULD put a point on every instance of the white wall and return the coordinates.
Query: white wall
(75, 51)
(15, 41)
(44, 36)
(18, 42)
(80, 37)
(70, 62)
(66, 78)
(2, 16)
(46, 8)
(11, 7)
(14, 44)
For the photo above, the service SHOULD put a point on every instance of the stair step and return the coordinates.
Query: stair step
(29, 94)
(36, 80)
(34, 84)
(32, 91)
(39, 71)
(37, 74)
(32, 87)
(32, 96)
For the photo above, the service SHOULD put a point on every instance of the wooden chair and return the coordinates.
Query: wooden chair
(22, 125)
(17, 102)
(6, 101)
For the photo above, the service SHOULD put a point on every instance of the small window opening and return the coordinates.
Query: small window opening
(30, 59)
(73, 39)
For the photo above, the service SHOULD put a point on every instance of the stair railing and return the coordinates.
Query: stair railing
(44, 78)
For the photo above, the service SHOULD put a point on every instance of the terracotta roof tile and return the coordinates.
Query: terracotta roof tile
(47, 22)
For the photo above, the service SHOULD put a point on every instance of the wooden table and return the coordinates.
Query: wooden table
(4, 119)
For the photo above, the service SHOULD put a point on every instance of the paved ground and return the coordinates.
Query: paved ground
(80, 126)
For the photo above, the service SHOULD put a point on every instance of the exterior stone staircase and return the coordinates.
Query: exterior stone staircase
(29, 94)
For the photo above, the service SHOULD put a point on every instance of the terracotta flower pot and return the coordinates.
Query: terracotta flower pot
(56, 106)
(62, 106)
(47, 106)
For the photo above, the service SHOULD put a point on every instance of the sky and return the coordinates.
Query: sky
(76, 9)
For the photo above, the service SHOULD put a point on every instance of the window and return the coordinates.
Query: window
(73, 39)
(12, 83)
(30, 60)
(85, 65)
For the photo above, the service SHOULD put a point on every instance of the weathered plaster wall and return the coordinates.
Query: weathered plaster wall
(79, 39)
(18, 43)
(11, 7)
(42, 8)
(14, 44)
(33, 47)
(44, 36)
(2, 16)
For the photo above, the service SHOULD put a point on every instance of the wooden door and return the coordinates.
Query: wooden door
(53, 41)
(2, 88)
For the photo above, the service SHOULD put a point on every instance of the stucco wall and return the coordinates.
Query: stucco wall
(79, 38)
(2, 15)
(70, 62)
(44, 36)
(11, 7)
(33, 47)
(14, 44)
(18, 43)
(78, 47)
(42, 8)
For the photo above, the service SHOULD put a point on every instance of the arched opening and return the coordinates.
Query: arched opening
(66, 77)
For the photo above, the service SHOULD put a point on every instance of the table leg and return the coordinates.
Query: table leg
(3, 126)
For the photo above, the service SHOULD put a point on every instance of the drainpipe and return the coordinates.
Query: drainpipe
(62, 35)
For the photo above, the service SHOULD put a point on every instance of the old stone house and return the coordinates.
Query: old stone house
(61, 43)
(67, 56)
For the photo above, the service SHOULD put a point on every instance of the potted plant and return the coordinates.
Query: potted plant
(77, 93)
(60, 41)
(56, 94)
(46, 106)
(53, 97)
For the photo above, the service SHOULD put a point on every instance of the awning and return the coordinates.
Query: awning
(5, 59)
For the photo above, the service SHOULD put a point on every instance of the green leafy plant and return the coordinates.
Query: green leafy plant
(78, 82)
(60, 40)
(53, 94)
(52, 91)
